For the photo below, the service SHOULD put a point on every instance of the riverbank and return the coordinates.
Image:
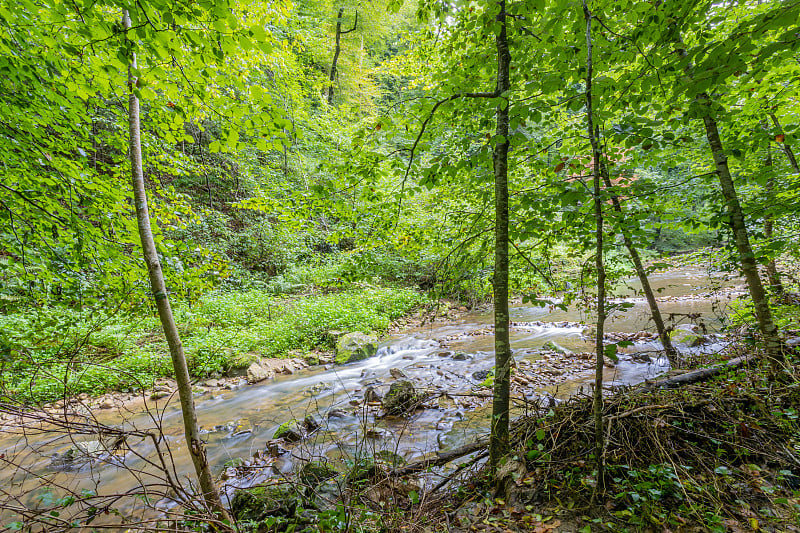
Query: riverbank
(720, 455)
(60, 353)
(337, 412)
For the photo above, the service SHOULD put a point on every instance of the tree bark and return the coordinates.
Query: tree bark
(157, 285)
(337, 50)
(773, 276)
(592, 130)
(499, 439)
(769, 332)
(655, 312)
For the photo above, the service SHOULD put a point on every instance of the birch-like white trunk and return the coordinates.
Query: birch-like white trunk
(196, 446)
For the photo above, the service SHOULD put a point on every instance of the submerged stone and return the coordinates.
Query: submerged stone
(554, 347)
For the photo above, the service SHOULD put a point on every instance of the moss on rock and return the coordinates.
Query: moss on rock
(401, 398)
(355, 347)
(314, 472)
(257, 503)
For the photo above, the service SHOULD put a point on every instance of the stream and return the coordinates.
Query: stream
(446, 356)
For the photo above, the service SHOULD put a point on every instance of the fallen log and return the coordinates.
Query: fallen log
(697, 375)
(440, 458)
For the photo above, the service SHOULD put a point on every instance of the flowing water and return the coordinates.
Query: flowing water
(238, 423)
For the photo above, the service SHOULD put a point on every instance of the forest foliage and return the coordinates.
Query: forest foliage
(264, 175)
(320, 166)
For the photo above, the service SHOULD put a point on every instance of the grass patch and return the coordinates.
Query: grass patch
(49, 353)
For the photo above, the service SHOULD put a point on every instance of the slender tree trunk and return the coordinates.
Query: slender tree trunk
(773, 276)
(655, 312)
(773, 346)
(499, 439)
(337, 50)
(195, 444)
(769, 333)
(786, 148)
(592, 130)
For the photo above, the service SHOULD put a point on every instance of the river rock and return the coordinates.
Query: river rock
(363, 469)
(243, 427)
(256, 373)
(396, 373)
(371, 395)
(401, 398)
(794, 342)
(289, 431)
(311, 424)
(327, 494)
(389, 458)
(257, 503)
(376, 433)
(355, 347)
(274, 448)
(314, 472)
(481, 375)
(689, 334)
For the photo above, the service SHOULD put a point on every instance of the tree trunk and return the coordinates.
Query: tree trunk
(786, 148)
(773, 276)
(655, 312)
(499, 439)
(195, 444)
(769, 333)
(337, 50)
(597, 406)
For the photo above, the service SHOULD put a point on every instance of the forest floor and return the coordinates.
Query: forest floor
(720, 455)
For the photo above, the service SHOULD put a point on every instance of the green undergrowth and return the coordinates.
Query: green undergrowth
(47, 353)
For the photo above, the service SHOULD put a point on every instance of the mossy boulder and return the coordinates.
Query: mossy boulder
(315, 472)
(355, 347)
(689, 335)
(239, 362)
(257, 503)
(290, 431)
(401, 399)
